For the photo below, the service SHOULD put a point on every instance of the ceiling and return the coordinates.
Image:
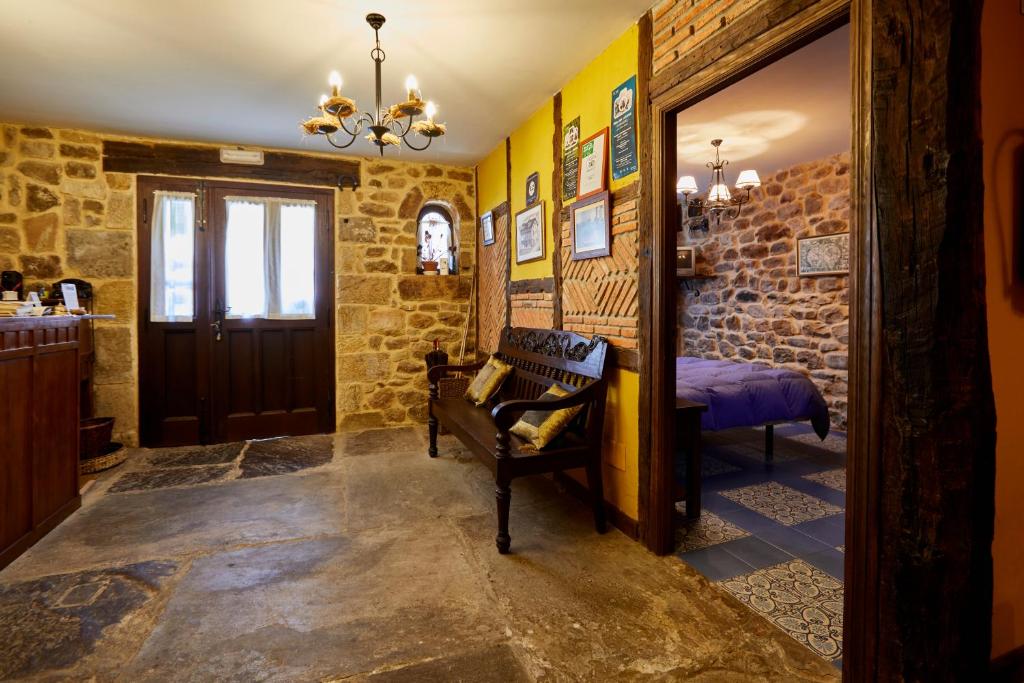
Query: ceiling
(792, 111)
(248, 71)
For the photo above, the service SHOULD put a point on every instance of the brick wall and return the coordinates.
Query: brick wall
(756, 307)
(533, 309)
(680, 25)
(599, 296)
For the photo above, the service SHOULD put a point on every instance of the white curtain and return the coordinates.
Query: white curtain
(270, 258)
(172, 257)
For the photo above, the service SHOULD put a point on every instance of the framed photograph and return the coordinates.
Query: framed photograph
(686, 261)
(824, 255)
(591, 227)
(593, 165)
(530, 233)
(487, 228)
(532, 188)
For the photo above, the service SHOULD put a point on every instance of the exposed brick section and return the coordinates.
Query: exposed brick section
(492, 297)
(533, 310)
(599, 296)
(757, 308)
(680, 25)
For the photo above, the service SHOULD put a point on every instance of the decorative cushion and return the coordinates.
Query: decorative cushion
(540, 427)
(487, 381)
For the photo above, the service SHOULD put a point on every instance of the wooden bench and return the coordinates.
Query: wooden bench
(540, 358)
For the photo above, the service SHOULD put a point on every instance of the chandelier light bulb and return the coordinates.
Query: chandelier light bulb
(323, 100)
(431, 111)
(412, 88)
(334, 80)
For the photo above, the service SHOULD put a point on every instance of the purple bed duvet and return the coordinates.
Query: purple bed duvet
(749, 394)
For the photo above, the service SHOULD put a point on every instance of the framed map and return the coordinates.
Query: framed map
(824, 255)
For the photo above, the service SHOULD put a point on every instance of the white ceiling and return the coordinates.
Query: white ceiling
(792, 111)
(248, 71)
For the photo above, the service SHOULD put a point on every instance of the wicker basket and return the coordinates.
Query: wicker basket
(453, 387)
(93, 436)
(115, 454)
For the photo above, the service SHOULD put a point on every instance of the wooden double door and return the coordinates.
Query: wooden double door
(235, 311)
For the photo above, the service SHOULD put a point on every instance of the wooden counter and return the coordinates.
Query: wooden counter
(39, 397)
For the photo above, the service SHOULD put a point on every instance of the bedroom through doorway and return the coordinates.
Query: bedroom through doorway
(761, 338)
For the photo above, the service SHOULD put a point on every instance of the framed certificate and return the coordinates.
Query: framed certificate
(593, 165)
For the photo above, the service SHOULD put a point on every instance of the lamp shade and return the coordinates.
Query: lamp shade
(719, 193)
(687, 184)
(747, 180)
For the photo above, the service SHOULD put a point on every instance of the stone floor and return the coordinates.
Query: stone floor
(357, 557)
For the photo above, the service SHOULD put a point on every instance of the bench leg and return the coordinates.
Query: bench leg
(432, 427)
(691, 443)
(596, 486)
(769, 443)
(503, 495)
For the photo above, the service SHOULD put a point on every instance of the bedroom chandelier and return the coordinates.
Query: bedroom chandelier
(700, 213)
(388, 126)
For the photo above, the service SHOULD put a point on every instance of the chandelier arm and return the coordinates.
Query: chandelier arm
(414, 147)
(408, 127)
(355, 133)
(347, 144)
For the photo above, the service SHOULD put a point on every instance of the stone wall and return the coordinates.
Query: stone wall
(756, 307)
(62, 216)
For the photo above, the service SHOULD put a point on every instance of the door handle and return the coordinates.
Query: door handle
(219, 310)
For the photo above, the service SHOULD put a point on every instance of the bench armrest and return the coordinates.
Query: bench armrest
(438, 371)
(505, 414)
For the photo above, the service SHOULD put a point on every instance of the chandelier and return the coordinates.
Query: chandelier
(701, 213)
(387, 126)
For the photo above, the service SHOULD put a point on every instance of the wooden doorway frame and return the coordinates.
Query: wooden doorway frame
(918, 561)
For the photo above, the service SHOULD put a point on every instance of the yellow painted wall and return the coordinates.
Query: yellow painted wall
(589, 94)
(531, 151)
(492, 179)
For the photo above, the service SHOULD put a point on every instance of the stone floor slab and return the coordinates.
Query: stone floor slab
(267, 457)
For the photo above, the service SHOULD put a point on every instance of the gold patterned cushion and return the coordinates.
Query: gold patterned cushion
(540, 427)
(488, 380)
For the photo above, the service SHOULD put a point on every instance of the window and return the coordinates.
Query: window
(172, 257)
(438, 245)
(269, 258)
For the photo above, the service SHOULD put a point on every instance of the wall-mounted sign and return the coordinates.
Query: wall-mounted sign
(624, 160)
(532, 188)
(570, 157)
(593, 175)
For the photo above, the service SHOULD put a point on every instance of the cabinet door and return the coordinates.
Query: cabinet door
(15, 450)
(55, 431)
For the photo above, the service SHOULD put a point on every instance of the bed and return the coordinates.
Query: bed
(740, 394)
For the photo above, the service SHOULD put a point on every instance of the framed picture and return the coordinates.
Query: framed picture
(532, 188)
(591, 227)
(686, 261)
(593, 165)
(824, 255)
(487, 228)
(530, 233)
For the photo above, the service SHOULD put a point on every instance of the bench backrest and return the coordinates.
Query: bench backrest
(546, 357)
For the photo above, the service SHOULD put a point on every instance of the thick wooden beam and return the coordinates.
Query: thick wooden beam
(556, 213)
(510, 232)
(936, 408)
(204, 162)
(540, 285)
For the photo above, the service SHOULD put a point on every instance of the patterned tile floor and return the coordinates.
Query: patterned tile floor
(772, 534)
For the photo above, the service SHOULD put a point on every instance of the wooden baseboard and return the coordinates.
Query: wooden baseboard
(1008, 667)
(619, 519)
(13, 551)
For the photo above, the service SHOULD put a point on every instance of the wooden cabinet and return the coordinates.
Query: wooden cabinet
(39, 395)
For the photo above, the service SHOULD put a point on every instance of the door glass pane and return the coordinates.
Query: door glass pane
(296, 269)
(172, 257)
(244, 260)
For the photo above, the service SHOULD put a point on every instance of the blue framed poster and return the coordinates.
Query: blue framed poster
(623, 142)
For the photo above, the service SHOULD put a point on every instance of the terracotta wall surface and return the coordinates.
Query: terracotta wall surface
(680, 25)
(535, 309)
(1002, 117)
(756, 307)
(62, 216)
